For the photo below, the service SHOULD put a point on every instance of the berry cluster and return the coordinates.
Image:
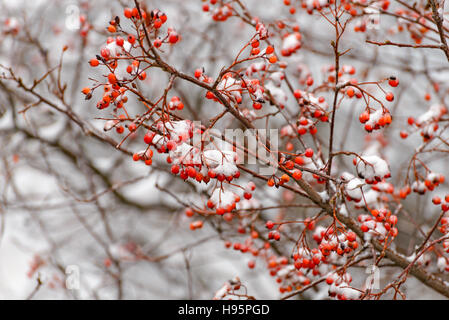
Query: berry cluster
(375, 120)
(372, 168)
(328, 242)
(380, 224)
(340, 287)
(427, 123)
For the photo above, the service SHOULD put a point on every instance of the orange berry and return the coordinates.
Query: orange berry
(94, 62)
(128, 13)
(111, 29)
(285, 178)
(389, 96)
(297, 174)
(350, 92)
(142, 75)
(112, 78)
(273, 59)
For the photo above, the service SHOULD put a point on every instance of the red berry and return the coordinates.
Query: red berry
(403, 134)
(157, 43)
(142, 76)
(389, 96)
(309, 81)
(436, 200)
(255, 43)
(393, 82)
(131, 39)
(148, 138)
(132, 127)
(105, 53)
(299, 161)
(198, 73)
(350, 92)
(157, 23)
(297, 174)
(351, 236)
(175, 169)
(364, 117)
(308, 153)
(119, 41)
(257, 106)
(173, 38)
(269, 224)
(112, 78)
(128, 13)
(94, 62)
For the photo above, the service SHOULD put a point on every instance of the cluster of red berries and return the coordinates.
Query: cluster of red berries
(305, 259)
(249, 246)
(444, 205)
(432, 180)
(381, 223)
(146, 156)
(117, 47)
(404, 192)
(376, 120)
(175, 104)
(196, 225)
(196, 172)
(340, 287)
(315, 5)
(223, 207)
(427, 123)
(233, 90)
(289, 165)
(329, 241)
(285, 274)
(11, 26)
(221, 13)
(372, 168)
(383, 186)
(313, 107)
(200, 75)
(133, 68)
(344, 74)
(291, 43)
(85, 26)
(306, 125)
(417, 33)
(444, 229)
